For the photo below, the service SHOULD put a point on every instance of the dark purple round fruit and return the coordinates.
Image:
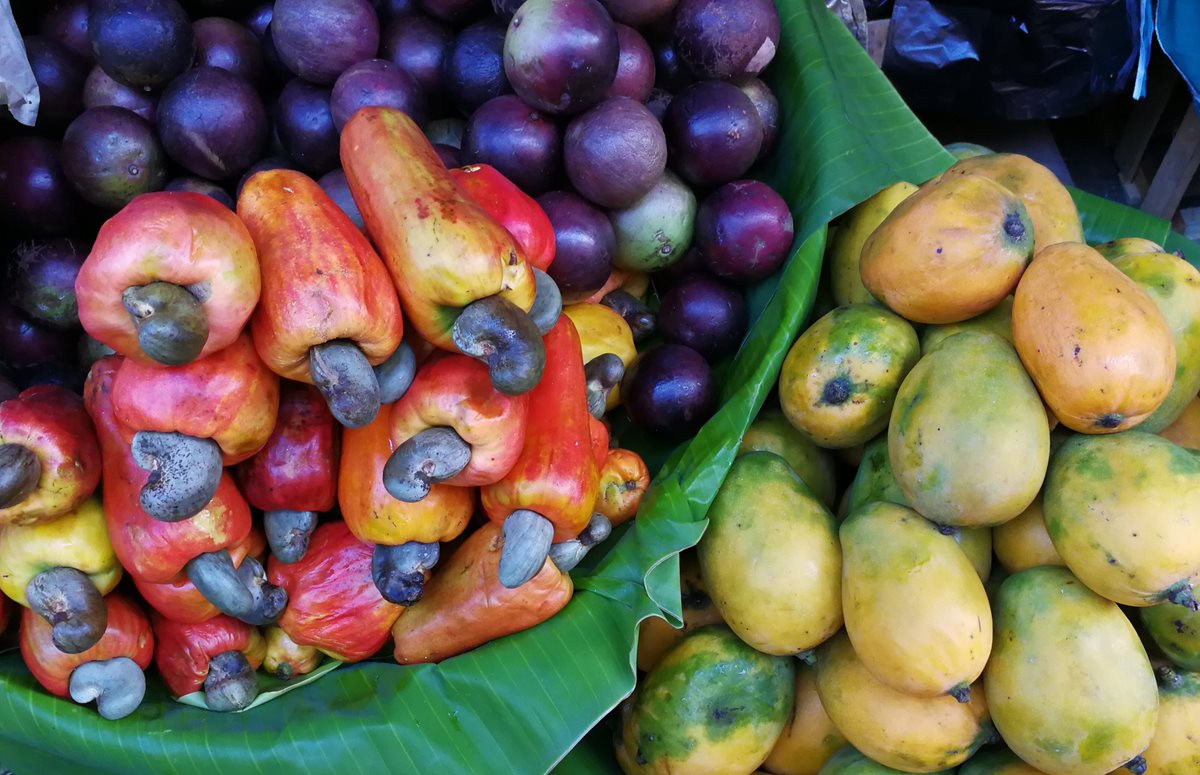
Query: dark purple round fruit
(505, 9)
(658, 102)
(64, 373)
(268, 163)
(705, 314)
(338, 189)
(670, 74)
(635, 67)
(100, 90)
(67, 22)
(230, 46)
(767, 106)
(669, 391)
(524, 144)
(376, 82)
(43, 280)
(318, 39)
(615, 152)
(390, 10)
(638, 13)
(456, 12)
(668, 277)
(713, 132)
(473, 71)
(212, 123)
(561, 56)
(142, 43)
(23, 342)
(7, 389)
(419, 45)
(451, 157)
(35, 196)
(200, 186)
(60, 74)
(258, 18)
(726, 38)
(584, 244)
(304, 122)
(744, 231)
(112, 155)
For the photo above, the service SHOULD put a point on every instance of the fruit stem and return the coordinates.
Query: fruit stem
(962, 693)
(1181, 594)
(1136, 765)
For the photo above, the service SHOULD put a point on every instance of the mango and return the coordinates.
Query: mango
(850, 762)
(771, 432)
(915, 609)
(962, 151)
(1174, 286)
(1070, 687)
(809, 738)
(1023, 542)
(949, 252)
(997, 761)
(656, 637)
(898, 730)
(1185, 431)
(845, 245)
(997, 320)
(1127, 246)
(770, 557)
(712, 706)
(840, 377)
(1051, 208)
(1176, 632)
(1122, 513)
(1175, 749)
(969, 440)
(1100, 352)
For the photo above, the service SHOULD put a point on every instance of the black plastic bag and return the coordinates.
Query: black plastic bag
(1012, 59)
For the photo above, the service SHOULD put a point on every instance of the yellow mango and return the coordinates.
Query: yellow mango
(1023, 542)
(1127, 246)
(915, 609)
(603, 330)
(771, 432)
(850, 762)
(909, 733)
(656, 637)
(845, 245)
(1070, 687)
(810, 737)
(1185, 431)
(1175, 749)
(770, 557)
(997, 320)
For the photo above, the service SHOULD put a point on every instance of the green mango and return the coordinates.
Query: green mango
(997, 761)
(849, 761)
(1176, 631)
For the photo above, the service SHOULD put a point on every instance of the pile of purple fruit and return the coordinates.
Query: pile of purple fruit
(634, 123)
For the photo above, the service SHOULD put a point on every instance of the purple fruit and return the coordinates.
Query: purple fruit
(705, 314)
(524, 144)
(212, 123)
(744, 231)
(726, 38)
(615, 152)
(390, 10)
(635, 67)
(60, 73)
(713, 132)
(258, 18)
(670, 391)
(767, 106)
(419, 47)
(638, 13)
(142, 43)
(23, 342)
(200, 186)
(561, 56)
(112, 155)
(67, 22)
(473, 70)
(690, 263)
(57, 372)
(43, 280)
(100, 90)
(318, 39)
(338, 188)
(584, 244)
(7, 389)
(230, 46)
(658, 102)
(376, 82)
(35, 196)
(268, 163)
(670, 73)
(304, 122)
(456, 12)
(505, 9)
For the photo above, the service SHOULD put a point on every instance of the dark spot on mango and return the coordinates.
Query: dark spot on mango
(947, 530)
(1110, 559)
(422, 209)
(837, 390)
(1179, 627)
(1014, 226)
(640, 759)
(1110, 420)
(724, 715)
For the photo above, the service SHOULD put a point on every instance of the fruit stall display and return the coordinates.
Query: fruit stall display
(451, 168)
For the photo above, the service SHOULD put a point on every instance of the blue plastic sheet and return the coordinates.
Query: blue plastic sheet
(1178, 24)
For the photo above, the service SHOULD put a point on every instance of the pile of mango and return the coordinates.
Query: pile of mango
(991, 387)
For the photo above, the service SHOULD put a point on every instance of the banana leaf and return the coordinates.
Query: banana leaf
(522, 703)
